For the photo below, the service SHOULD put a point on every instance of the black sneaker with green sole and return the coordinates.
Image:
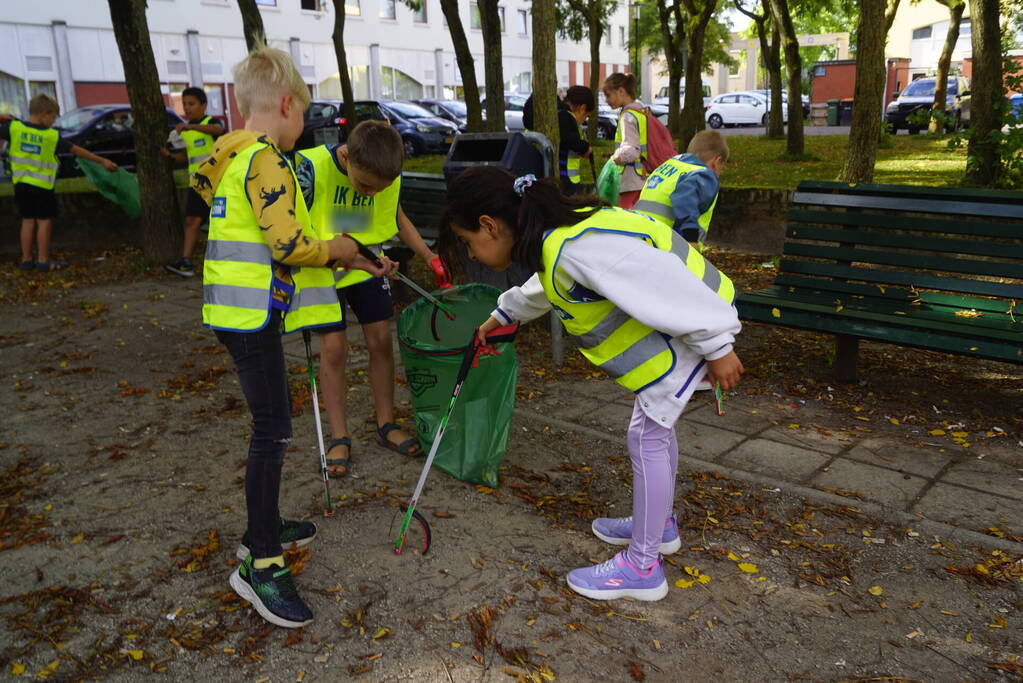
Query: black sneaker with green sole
(293, 532)
(272, 592)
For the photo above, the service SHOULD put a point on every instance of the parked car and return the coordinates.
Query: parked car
(909, 109)
(421, 131)
(662, 95)
(738, 109)
(325, 122)
(449, 110)
(105, 129)
(513, 103)
(766, 94)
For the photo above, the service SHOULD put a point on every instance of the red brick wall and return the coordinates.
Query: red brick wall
(968, 65)
(837, 83)
(898, 78)
(100, 93)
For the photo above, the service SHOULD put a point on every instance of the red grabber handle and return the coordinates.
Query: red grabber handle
(503, 334)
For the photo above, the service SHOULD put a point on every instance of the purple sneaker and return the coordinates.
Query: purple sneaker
(617, 578)
(618, 531)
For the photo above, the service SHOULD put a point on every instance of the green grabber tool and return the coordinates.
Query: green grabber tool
(501, 334)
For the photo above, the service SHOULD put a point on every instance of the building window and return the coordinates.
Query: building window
(388, 9)
(733, 68)
(474, 16)
(500, 14)
(398, 85)
(607, 35)
(352, 8)
(312, 5)
(965, 27)
(267, 3)
(621, 36)
(419, 15)
(922, 33)
(523, 22)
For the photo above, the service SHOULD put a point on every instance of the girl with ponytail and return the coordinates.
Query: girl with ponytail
(642, 305)
(630, 138)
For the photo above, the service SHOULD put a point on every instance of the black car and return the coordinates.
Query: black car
(325, 121)
(449, 110)
(421, 131)
(104, 129)
(911, 107)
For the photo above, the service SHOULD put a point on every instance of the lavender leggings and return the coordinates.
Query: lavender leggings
(654, 453)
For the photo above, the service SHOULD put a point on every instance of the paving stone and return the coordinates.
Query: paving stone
(986, 476)
(563, 405)
(968, 508)
(703, 441)
(770, 457)
(878, 484)
(740, 416)
(611, 417)
(925, 462)
(805, 437)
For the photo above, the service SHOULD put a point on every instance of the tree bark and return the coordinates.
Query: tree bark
(596, 34)
(673, 40)
(466, 66)
(868, 93)
(696, 19)
(955, 15)
(794, 144)
(347, 94)
(545, 75)
(252, 24)
(493, 67)
(161, 220)
(983, 165)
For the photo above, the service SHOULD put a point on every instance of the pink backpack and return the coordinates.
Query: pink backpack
(660, 145)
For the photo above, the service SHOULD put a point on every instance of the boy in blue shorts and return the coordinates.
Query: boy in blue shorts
(33, 148)
(353, 189)
(198, 135)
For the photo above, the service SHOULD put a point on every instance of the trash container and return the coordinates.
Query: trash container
(431, 350)
(845, 108)
(833, 112)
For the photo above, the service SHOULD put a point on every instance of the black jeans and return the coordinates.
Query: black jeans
(262, 372)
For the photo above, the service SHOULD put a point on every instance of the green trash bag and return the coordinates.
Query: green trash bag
(120, 186)
(431, 349)
(608, 183)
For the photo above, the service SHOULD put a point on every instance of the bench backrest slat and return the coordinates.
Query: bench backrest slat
(905, 279)
(947, 206)
(906, 260)
(876, 238)
(924, 224)
(1009, 198)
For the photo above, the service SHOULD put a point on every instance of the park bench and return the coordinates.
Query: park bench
(928, 267)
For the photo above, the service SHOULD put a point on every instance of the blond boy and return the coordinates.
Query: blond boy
(33, 148)
(265, 269)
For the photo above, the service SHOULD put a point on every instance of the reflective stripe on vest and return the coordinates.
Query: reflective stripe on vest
(198, 146)
(238, 272)
(655, 199)
(337, 208)
(637, 165)
(635, 354)
(33, 155)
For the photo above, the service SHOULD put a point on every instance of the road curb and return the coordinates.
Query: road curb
(920, 524)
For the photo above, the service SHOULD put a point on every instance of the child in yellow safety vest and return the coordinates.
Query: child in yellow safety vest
(198, 135)
(266, 268)
(353, 189)
(32, 148)
(641, 303)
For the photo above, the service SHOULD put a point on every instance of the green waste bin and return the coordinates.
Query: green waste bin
(431, 349)
(833, 106)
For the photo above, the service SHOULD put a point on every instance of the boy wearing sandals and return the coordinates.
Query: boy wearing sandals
(353, 189)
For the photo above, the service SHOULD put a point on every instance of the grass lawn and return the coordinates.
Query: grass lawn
(755, 162)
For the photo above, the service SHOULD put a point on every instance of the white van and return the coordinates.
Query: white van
(662, 94)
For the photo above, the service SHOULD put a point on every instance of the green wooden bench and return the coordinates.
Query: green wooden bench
(934, 268)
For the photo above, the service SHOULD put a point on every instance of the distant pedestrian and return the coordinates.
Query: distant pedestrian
(33, 147)
(641, 304)
(577, 104)
(630, 139)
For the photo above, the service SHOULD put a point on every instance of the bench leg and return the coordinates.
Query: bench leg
(846, 352)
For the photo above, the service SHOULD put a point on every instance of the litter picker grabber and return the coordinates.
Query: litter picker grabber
(501, 334)
(328, 506)
(368, 254)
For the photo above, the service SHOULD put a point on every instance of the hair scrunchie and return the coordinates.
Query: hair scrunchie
(522, 182)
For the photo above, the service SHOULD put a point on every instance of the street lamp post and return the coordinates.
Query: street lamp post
(636, 9)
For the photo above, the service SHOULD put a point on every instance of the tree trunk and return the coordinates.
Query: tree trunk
(466, 66)
(347, 95)
(161, 220)
(673, 42)
(493, 67)
(794, 145)
(252, 24)
(596, 31)
(545, 74)
(692, 110)
(775, 120)
(869, 89)
(955, 15)
(983, 166)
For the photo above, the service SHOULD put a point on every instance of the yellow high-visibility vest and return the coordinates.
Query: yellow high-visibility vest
(198, 146)
(33, 154)
(655, 198)
(637, 165)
